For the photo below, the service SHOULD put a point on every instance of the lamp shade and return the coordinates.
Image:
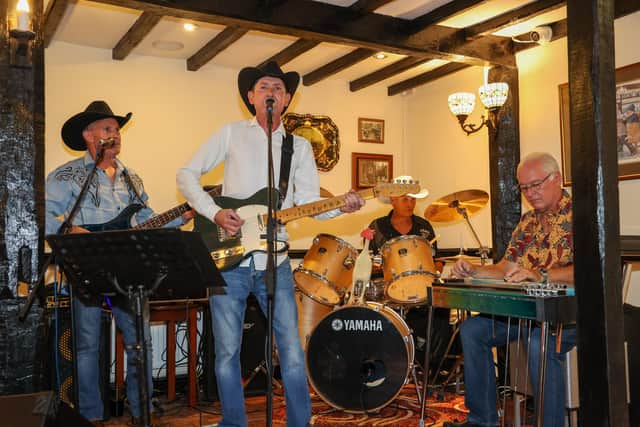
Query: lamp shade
(462, 103)
(493, 95)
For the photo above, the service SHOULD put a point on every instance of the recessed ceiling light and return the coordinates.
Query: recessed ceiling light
(188, 26)
(167, 45)
(380, 55)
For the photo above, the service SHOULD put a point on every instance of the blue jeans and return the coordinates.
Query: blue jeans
(87, 321)
(479, 334)
(227, 314)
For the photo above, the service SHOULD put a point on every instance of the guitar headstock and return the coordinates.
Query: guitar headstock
(396, 189)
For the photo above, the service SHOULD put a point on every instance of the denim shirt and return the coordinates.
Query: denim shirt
(103, 201)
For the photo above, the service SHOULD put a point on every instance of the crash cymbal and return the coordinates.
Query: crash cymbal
(454, 258)
(445, 209)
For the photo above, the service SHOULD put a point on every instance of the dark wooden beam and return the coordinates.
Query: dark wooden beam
(53, 16)
(292, 51)
(425, 78)
(336, 66)
(626, 7)
(596, 216)
(513, 17)
(138, 31)
(504, 156)
(324, 22)
(443, 12)
(368, 5)
(224, 39)
(397, 67)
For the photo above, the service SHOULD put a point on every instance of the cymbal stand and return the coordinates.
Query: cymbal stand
(484, 251)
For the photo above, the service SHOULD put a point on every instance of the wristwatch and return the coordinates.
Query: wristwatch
(544, 274)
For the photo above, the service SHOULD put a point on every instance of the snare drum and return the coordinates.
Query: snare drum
(359, 357)
(408, 268)
(326, 270)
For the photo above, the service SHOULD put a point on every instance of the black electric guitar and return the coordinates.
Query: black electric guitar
(123, 220)
(228, 251)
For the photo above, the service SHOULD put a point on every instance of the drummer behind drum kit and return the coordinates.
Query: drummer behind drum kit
(360, 351)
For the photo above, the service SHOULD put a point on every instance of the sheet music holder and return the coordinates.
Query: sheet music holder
(136, 264)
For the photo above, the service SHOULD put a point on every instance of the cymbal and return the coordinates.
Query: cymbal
(445, 209)
(454, 258)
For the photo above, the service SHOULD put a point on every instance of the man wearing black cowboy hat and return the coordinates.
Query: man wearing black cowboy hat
(96, 130)
(242, 146)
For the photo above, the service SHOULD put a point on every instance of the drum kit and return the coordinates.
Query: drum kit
(360, 351)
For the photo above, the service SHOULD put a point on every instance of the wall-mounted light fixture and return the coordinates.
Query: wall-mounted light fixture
(21, 37)
(492, 95)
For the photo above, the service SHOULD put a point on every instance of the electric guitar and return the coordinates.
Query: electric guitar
(123, 220)
(229, 250)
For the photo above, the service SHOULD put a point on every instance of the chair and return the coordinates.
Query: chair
(170, 314)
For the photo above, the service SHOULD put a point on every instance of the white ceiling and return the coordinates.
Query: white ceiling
(101, 26)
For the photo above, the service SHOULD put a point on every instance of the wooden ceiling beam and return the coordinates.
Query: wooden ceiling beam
(384, 73)
(368, 5)
(304, 45)
(443, 12)
(336, 66)
(220, 42)
(53, 15)
(318, 21)
(291, 52)
(425, 78)
(138, 31)
(513, 17)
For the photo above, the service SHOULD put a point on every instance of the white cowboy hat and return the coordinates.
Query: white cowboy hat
(407, 179)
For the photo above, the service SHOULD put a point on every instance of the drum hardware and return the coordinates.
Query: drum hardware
(457, 206)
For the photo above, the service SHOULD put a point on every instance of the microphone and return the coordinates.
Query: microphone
(269, 103)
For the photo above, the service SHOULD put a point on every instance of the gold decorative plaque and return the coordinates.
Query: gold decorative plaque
(321, 132)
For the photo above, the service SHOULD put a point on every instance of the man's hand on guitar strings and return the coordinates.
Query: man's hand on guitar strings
(353, 201)
(229, 220)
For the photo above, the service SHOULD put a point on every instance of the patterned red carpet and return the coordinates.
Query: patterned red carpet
(403, 411)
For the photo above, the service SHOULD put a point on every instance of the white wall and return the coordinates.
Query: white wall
(174, 110)
(453, 162)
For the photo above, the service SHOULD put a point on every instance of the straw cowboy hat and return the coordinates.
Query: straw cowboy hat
(73, 128)
(406, 179)
(248, 77)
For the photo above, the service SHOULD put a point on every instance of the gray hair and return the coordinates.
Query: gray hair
(547, 161)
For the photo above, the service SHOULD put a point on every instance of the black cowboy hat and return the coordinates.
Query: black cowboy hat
(97, 110)
(248, 76)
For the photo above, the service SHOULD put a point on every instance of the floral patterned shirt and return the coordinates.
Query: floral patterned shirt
(532, 248)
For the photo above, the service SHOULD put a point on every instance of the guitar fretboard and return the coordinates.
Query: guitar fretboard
(326, 205)
(168, 216)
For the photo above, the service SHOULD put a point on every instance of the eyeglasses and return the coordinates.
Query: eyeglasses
(535, 186)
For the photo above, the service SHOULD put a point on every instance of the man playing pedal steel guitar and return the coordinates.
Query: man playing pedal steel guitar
(242, 146)
(540, 250)
(113, 189)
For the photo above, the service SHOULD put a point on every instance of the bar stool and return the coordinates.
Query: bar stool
(170, 314)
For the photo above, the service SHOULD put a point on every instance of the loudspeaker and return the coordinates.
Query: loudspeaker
(251, 353)
(62, 354)
(39, 410)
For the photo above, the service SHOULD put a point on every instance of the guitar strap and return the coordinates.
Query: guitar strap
(285, 166)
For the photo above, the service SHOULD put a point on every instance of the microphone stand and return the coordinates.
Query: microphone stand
(270, 273)
(484, 251)
(64, 228)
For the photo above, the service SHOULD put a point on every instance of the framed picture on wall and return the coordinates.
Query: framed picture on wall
(371, 130)
(627, 124)
(369, 169)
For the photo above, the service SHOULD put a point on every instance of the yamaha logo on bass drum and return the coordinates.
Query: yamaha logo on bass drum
(356, 325)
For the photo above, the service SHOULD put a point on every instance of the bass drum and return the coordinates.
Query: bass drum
(359, 357)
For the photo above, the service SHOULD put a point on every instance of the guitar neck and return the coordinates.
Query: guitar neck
(168, 216)
(316, 208)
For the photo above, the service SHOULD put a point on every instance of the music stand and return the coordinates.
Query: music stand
(135, 264)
